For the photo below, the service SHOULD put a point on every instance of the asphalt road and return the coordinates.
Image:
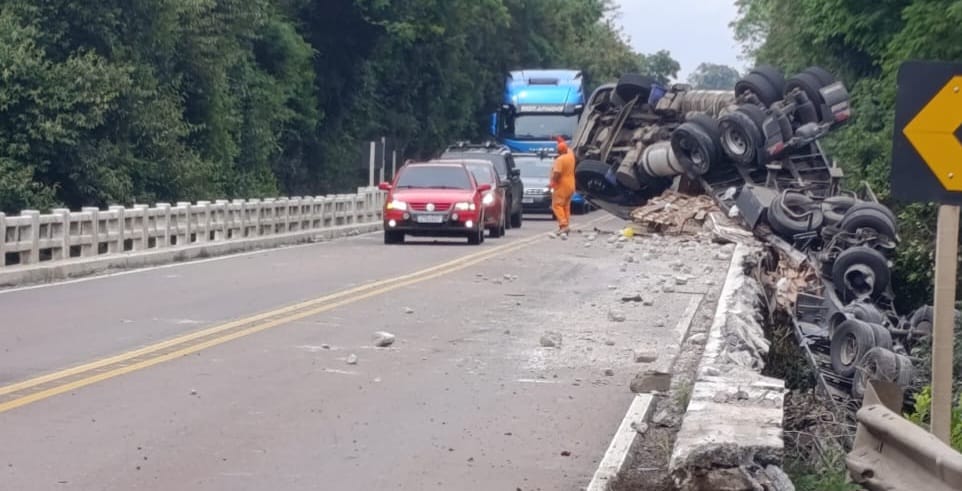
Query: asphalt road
(233, 374)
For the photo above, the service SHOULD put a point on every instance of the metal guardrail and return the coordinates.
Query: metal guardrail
(63, 235)
(893, 454)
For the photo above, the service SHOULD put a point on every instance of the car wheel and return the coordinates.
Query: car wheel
(792, 214)
(850, 342)
(694, 148)
(393, 237)
(860, 271)
(476, 237)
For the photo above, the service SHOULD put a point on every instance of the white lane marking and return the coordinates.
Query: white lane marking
(624, 438)
(340, 372)
(537, 381)
(181, 264)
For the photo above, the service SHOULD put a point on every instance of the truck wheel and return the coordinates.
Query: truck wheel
(824, 77)
(632, 85)
(878, 364)
(763, 89)
(835, 207)
(741, 137)
(860, 271)
(920, 323)
(693, 147)
(868, 217)
(774, 76)
(865, 312)
(591, 177)
(850, 342)
(792, 214)
(809, 85)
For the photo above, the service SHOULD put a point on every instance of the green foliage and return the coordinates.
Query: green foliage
(923, 408)
(864, 42)
(122, 101)
(711, 76)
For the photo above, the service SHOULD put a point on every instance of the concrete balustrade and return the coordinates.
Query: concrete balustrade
(34, 241)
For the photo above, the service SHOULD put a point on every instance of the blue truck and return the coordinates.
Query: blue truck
(539, 105)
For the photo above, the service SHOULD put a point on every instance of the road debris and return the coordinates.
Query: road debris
(609, 372)
(633, 298)
(408, 310)
(645, 356)
(351, 359)
(551, 339)
(672, 212)
(615, 316)
(383, 339)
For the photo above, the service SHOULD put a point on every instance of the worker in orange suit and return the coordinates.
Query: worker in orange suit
(562, 186)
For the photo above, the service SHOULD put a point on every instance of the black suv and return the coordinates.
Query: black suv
(500, 156)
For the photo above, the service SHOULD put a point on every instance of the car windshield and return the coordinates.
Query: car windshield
(433, 177)
(483, 173)
(533, 166)
(543, 126)
(498, 160)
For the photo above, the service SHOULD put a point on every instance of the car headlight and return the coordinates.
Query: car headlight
(464, 206)
(487, 199)
(547, 190)
(397, 205)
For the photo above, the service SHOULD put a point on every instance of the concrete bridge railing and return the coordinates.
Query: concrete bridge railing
(33, 240)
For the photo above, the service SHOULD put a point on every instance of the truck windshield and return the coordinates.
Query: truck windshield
(533, 166)
(434, 177)
(543, 126)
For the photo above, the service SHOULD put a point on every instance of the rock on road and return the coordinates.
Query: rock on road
(466, 397)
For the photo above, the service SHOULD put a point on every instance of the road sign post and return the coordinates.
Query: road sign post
(927, 167)
(370, 168)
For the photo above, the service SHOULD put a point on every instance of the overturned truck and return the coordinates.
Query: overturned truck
(755, 149)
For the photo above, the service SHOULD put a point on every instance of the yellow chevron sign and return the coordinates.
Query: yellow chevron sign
(932, 133)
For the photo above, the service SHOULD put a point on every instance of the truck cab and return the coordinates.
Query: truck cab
(538, 105)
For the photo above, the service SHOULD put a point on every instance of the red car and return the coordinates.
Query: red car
(434, 199)
(494, 200)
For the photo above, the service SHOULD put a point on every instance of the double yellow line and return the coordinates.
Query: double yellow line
(45, 386)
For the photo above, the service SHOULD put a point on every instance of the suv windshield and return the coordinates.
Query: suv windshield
(543, 126)
(498, 160)
(434, 177)
(483, 173)
(533, 166)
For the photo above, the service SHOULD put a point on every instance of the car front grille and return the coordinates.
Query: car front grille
(423, 206)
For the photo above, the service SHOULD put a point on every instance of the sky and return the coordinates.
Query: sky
(652, 25)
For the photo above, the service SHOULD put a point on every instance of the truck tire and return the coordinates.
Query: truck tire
(906, 371)
(921, 321)
(792, 214)
(883, 337)
(774, 75)
(741, 137)
(878, 364)
(591, 177)
(835, 207)
(860, 271)
(632, 85)
(865, 312)
(809, 85)
(862, 205)
(870, 217)
(824, 77)
(766, 91)
(693, 147)
(849, 343)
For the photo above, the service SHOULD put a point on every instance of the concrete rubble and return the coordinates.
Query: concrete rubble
(731, 435)
(383, 339)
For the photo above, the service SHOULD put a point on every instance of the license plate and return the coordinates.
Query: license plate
(430, 218)
(527, 200)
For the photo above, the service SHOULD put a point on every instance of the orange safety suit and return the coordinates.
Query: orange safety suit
(563, 185)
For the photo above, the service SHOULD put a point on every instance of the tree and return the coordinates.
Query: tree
(661, 66)
(711, 76)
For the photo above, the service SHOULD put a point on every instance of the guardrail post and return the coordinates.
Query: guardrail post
(93, 229)
(117, 244)
(162, 222)
(62, 232)
(143, 230)
(3, 240)
(33, 255)
(203, 221)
